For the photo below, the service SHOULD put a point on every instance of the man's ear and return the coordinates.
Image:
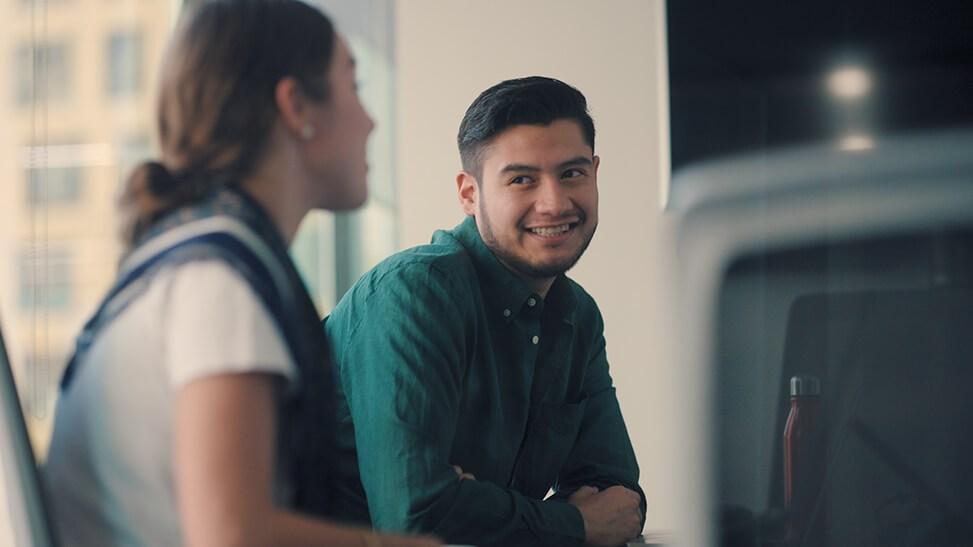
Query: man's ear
(468, 191)
(292, 105)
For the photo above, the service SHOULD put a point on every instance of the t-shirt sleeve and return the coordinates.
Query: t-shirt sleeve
(215, 323)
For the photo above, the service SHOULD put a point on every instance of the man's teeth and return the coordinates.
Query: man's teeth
(548, 231)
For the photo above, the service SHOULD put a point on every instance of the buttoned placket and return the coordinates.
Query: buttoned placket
(528, 321)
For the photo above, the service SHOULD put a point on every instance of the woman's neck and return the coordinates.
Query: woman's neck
(276, 185)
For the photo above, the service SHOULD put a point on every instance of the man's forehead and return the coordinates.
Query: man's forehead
(540, 145)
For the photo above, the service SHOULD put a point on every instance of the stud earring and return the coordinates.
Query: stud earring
(307, 132)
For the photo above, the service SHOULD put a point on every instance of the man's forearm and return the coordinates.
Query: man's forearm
(485, 514)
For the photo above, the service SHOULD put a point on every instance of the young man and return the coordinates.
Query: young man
(473, 376)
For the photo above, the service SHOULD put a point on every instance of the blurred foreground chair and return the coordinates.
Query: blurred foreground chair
(20, 486)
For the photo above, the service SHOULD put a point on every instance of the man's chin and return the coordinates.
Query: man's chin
(527, 264)
(547, 270)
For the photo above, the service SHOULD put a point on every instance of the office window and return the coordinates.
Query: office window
(130, 150)
(70, 135)
(45, 279)
(364, 237)
(124, 64)
(24, 74)
(53, 186)
(44, 369)
(42, 72)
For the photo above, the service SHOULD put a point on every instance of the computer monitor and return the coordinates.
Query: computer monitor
(886, 326)
(855, 267)
(23, 495)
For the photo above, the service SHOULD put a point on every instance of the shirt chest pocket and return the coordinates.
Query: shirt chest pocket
(553, 432)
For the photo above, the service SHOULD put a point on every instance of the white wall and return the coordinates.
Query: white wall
(447, 53)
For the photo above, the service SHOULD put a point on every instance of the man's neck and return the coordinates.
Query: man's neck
(539, 285)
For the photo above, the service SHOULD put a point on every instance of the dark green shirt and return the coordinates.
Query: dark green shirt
(446, 358)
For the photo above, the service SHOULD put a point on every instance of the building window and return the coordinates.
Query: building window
(45, 279)
(53, 186)
(42, 73)
(124, 64)
(44, 369)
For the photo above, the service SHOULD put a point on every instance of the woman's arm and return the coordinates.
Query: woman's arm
(225, 435)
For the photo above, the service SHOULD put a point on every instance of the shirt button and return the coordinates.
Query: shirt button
(531, 302)
(535, 340)
(506, 313)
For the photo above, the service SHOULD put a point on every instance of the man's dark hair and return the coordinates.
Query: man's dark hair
(535, 100)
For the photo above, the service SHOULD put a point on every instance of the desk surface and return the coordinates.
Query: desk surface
(650, 539)
(658, 539)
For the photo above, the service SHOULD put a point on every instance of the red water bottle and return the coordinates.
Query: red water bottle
(803, 456)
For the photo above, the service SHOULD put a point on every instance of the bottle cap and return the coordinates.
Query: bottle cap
(804, 386)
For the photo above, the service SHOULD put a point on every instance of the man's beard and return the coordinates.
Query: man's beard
(523, 267)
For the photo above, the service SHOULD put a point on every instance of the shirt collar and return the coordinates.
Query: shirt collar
(507, 294)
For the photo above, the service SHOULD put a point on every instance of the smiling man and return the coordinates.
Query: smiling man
(473, 375)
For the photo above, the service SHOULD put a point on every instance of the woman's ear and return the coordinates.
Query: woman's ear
(293, 105)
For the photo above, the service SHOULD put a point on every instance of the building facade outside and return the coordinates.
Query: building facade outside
(76, 116)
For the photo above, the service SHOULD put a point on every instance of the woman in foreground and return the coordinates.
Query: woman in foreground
(197, 407)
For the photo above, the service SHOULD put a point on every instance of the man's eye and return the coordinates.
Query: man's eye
(572, 173)
(522, 179)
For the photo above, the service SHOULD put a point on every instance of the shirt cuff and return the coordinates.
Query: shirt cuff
(563, 523)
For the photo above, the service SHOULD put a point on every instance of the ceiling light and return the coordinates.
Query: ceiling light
(856, 143)
(849, 82)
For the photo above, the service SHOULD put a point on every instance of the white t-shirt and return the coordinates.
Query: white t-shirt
(109, 470)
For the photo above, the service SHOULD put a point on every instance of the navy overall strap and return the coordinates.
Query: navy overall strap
(220, 237)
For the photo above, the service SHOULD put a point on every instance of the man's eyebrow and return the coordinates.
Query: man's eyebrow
(579, 160)
(522, 167)
(519, 168)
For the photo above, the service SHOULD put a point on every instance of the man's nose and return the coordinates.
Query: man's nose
(552, 198)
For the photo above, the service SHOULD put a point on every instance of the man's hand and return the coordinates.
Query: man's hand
(611, 517)
(463, 476)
